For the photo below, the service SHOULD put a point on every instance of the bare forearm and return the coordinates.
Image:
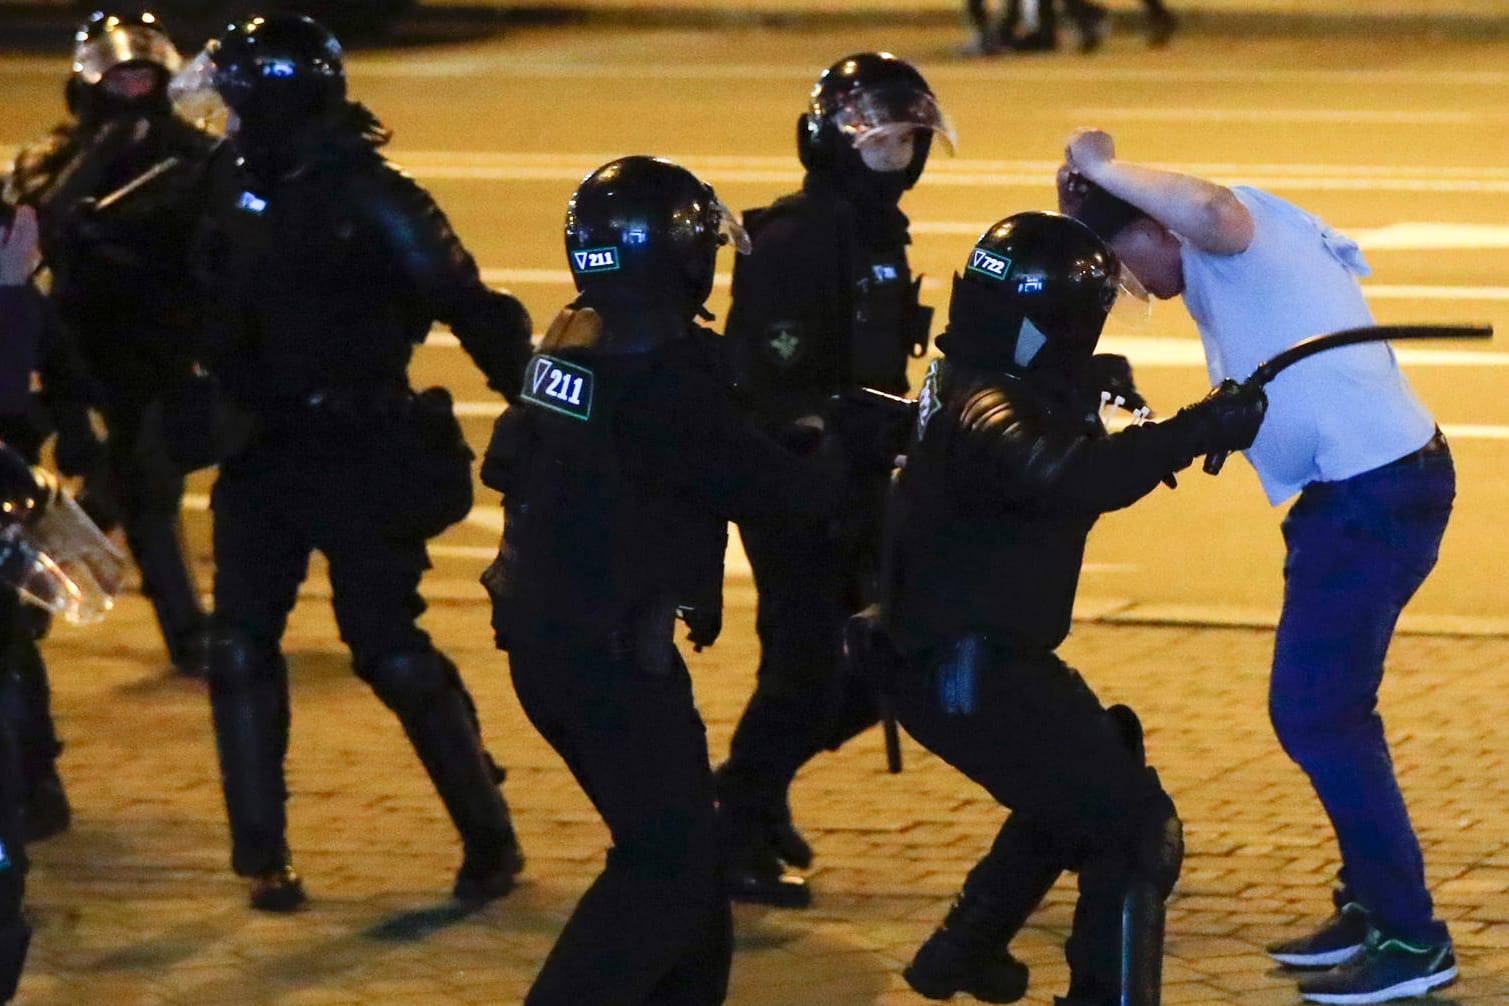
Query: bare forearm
(1206, 214)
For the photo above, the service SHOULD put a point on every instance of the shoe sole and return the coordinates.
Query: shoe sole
(1324, 959)
(1403, 990)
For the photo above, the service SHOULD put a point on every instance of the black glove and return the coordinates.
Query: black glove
(704, 624)
(874, 426)
(77, 450)
(1112, 373)
(1225, 420)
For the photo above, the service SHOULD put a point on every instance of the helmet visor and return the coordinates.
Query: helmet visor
(867, 115)
(93, 56)
(1132, 313)
(730, 228)
(192, 91)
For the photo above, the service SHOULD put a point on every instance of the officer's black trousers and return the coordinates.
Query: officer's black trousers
(272, 509)
(1033, 734)
(808, 585)
(14, 932)
(25, 693)
(655, 927)
(149, 491)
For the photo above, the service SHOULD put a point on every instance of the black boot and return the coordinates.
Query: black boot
(758, 840)
(425, 691)
(966, 954)
(249, 707)
(280, 890)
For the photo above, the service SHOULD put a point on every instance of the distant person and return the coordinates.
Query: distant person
(1375, 482)
(1038, 20)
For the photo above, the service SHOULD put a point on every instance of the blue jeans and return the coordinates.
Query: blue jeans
(1357, 551)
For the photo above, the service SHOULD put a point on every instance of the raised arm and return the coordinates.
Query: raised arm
(1207, 215)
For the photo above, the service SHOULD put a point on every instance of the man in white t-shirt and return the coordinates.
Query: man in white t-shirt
(1375, 483)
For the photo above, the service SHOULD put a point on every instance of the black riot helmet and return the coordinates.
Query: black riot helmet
(645, 230)
(1034, 295)
(278, 72)
(860, 99)
(22, 496)
(106, 41)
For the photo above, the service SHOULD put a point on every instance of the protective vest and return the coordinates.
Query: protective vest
(825, 301)
(593, 543)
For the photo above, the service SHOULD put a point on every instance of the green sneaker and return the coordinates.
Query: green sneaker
(1385, 970)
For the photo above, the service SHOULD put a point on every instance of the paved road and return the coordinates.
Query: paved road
(1399, 137)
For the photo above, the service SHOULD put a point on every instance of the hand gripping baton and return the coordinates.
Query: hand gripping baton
(1270, 369)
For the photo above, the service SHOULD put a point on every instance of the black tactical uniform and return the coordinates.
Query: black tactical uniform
(122, 287)
(26, 420)
(620, 466)
(20, 330)
(825, 302)
(1009, 469)
(324, 266)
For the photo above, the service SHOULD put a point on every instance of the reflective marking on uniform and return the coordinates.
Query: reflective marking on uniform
(558, 385)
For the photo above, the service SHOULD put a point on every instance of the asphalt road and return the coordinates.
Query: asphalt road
(1398, 140)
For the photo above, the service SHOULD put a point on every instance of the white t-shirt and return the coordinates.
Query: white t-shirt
(1336, 414)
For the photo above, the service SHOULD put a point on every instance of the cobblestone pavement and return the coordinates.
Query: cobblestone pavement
(135, 905)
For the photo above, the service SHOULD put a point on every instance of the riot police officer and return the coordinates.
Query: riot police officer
(324, 266)
(121, 285)
(826, 301)
(620, 465)
(1008, 470)
(36, 347)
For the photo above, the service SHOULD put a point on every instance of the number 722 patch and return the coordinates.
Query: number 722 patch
(559, 386)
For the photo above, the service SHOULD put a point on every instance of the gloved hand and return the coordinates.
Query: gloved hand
(704, 624)
(1112, 373)
(874, 426)
(77, 449)
(1227, 419)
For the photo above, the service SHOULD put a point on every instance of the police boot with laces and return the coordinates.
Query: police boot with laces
(279, 890)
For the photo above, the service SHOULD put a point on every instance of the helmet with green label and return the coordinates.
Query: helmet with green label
(643, 229)
(1034, 294)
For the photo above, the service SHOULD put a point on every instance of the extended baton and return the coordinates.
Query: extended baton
(1270, 369)
(147, 177)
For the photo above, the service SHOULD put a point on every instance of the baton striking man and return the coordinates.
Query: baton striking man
(1376, 483)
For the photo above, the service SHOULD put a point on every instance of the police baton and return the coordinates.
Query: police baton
(1270, 369)
(142, 180)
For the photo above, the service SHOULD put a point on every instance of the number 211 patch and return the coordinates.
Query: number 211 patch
(559, 386)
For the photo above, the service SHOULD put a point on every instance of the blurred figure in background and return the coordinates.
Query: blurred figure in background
(121, 285)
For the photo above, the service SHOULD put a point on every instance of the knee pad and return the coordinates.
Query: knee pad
(405, 682)
(236, 662)
(1159, 853)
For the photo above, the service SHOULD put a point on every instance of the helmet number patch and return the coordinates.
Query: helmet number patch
(559, 386)
(988, 263)
(595, 260)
